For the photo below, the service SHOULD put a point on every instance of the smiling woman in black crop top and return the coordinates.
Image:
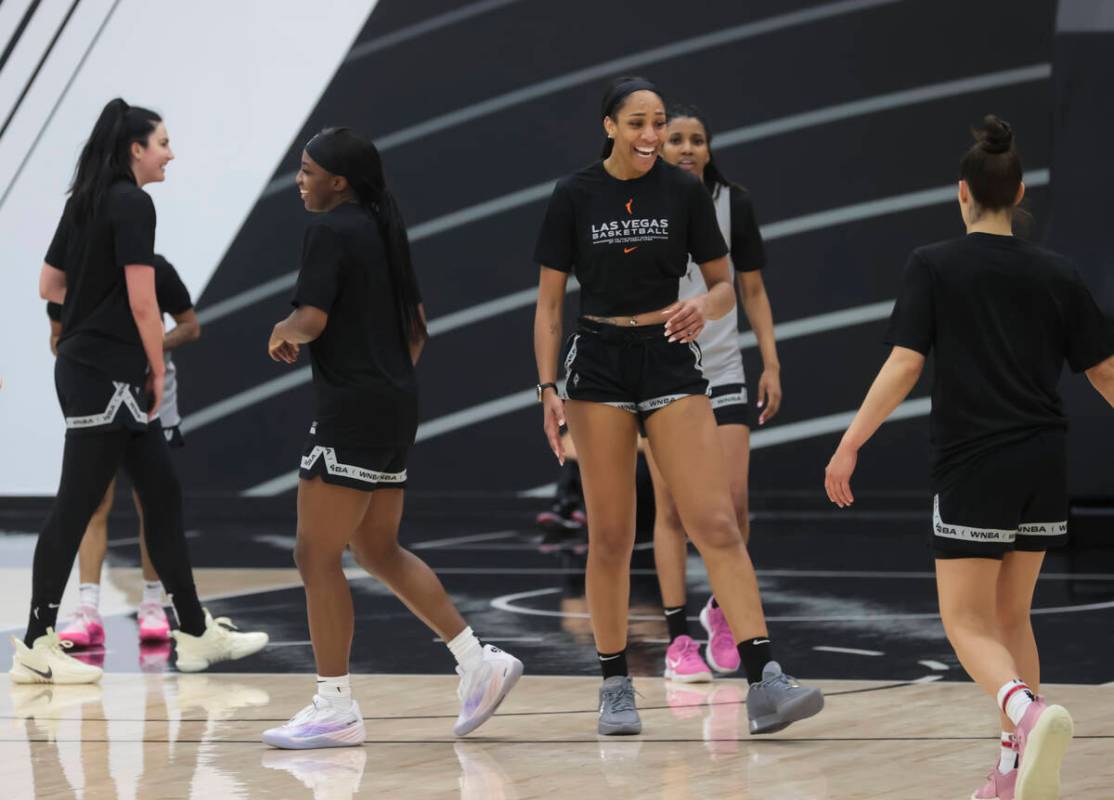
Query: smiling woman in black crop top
(626, 226)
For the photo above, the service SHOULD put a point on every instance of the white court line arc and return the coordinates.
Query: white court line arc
(938, 666)
(456, 540)
(851, 651)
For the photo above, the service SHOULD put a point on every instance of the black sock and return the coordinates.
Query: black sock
(187, 608)
(714, 603)
(755, 655)
(678, 622)
(613, 663)
(43, 615)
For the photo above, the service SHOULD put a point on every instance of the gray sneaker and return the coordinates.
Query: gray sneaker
(778, 701)
(618, 716)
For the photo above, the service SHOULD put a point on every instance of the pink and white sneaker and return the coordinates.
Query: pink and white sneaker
(83, 628)
(721, 652)
(153, 624)
(1043, 737)
(683, 663)
(997, 786)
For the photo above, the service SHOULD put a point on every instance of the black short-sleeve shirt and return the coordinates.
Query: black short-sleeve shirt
(172, 295)
(1002, 315)
(98, 329)
(628, 242)
(364, 384)
(748, 251)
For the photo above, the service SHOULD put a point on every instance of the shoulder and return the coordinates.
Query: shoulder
(583, 179)
(941, 252)
(127, 199)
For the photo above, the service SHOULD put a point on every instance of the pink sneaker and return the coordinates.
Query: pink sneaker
(1042, 739)
(153, 625)
(683, 663)
(84, 628)
(721, 651)
(998, 786)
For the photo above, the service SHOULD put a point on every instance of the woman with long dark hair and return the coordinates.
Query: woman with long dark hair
(358, 307)
(1003, 316)
(688, 145)
(628, 225)
(109, 376)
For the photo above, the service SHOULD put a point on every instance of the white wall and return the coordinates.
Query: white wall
(234, 82)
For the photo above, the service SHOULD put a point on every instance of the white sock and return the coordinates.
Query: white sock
(152, 592)
(1007, 760)
(89, 594)
(1014, 698)
(467, 650)
(337, 690)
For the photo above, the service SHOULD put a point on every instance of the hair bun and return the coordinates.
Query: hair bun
(995, 136)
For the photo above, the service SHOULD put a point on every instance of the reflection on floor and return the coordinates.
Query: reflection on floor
(197, 736)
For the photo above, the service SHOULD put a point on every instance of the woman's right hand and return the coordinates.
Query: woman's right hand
(554, 418)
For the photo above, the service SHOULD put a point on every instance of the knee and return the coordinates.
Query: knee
(375, 556)
(610, 546)
(716, 531)
(1013, 618)
(311, 559)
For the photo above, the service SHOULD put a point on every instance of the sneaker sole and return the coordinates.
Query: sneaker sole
(352, 737)
(24, 676)
(807, 705)
(1038, 777)
(619, 729)
(695, 677)
(708, 650)
(509, 681)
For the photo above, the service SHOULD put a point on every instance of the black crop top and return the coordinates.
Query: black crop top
(628, 242)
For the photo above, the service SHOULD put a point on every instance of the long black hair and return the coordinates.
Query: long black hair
(344, 152)
(106, 156)
(714, 178)
(615, 97)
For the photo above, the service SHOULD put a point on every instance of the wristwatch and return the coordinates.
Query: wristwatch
(542, 387)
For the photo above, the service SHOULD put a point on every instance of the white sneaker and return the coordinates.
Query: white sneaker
(482, 690)
(46, 661)
(322, 723)
(222, 641)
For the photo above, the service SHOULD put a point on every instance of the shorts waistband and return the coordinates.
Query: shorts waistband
(619, 333)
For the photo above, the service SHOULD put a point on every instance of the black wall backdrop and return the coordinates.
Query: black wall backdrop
(840, 117)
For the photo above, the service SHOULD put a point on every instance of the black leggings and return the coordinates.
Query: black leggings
(89, 462)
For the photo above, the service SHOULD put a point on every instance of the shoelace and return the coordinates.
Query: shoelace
(618, 700)
(305, 713)
(59, 645)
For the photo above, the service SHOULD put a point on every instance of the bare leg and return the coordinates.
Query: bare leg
(376, 549)
(607, 445)
(1016, 582)
(94, 544)
(736, 452)
(690, 456)
(149, 573)
(670, 543)
(327, 520)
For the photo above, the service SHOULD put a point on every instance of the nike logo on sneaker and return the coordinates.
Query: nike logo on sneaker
(48, 675)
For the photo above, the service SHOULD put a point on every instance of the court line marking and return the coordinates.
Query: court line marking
(429, 25)
(730, 138)
(851, 651)
(938, 666)
(478, 537)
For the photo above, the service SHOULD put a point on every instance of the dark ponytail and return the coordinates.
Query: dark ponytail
(714, 179)
(992, 167)
(615, 97)
(106, 156)
(344, 152)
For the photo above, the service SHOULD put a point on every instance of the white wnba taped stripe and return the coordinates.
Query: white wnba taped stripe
(121, 397)
(966, 533)
(334, 467)
(735, 398)
(1043, 528)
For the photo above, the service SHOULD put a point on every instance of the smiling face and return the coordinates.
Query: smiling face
(320, 190)
(686, 145)
(637, 130)
(149, 160)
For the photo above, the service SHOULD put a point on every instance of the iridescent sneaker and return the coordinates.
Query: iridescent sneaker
(83, 628)
(778, 701)
(721, 652)
(683, 663)
(618, 714)
(482, 690)
(320, 724)
(1043, 736)
(997, 786)
(153, 624)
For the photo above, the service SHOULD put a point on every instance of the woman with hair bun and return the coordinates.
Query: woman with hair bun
(358, 307)
(1003, 316)
(109, 377)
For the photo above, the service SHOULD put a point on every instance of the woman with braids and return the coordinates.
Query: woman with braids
(109, 376)
(1003, 316)
(358, 307)
(627, 226)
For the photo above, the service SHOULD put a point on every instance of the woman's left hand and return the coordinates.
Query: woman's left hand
(837, 477)
(280, 349)
(769, 394)
(684, 320)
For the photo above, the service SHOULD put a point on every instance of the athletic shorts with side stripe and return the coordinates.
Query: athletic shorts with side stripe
(92, 402)
(731, 404)
(366, 469)
(636, 369)
(1014, 497)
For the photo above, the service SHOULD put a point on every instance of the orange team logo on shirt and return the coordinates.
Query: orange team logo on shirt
(629, 250)
(629, 204)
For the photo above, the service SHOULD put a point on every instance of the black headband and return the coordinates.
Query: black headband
(623, 90)
(324, 149)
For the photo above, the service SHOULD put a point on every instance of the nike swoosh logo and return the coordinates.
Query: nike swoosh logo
(761, 641)
(629, 249)
(48, 675)
(608, 658)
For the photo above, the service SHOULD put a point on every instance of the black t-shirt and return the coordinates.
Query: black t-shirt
(366, 392)
(172, 295)
(628, 241)
(98, 329)
(1002, 315)
(748, 251)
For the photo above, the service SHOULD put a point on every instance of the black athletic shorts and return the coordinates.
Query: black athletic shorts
(174, 438)
(93, 403)
(636, 369)
(1014, 497)
(357, 468)
(730, 404)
